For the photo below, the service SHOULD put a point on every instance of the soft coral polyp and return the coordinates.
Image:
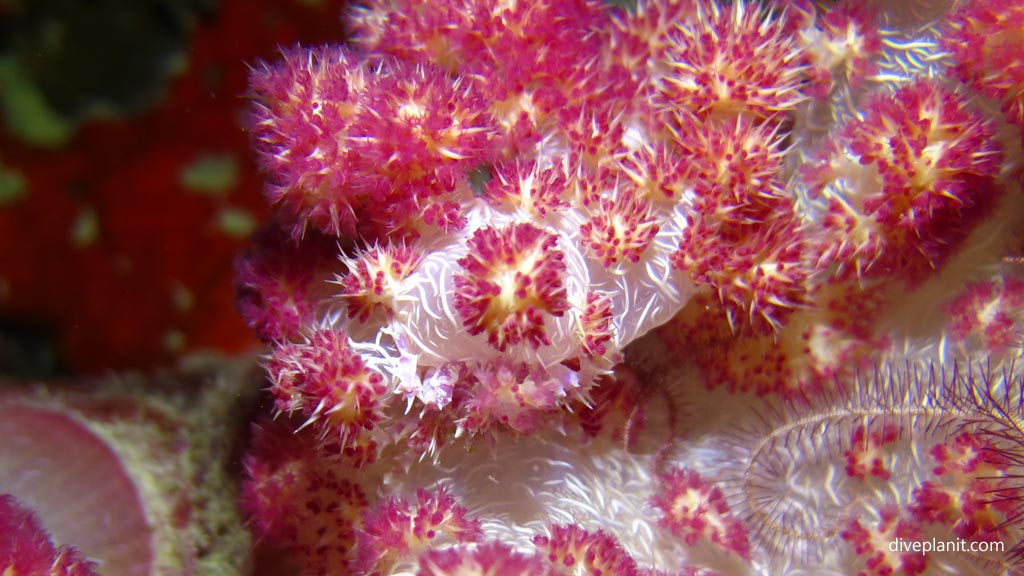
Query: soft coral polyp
(358, 150)
(732, 60)
(987, 44)
(329, 384)
(928, 166)
(512, 281)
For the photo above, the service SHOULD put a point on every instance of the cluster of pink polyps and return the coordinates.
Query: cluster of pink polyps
(483, 207)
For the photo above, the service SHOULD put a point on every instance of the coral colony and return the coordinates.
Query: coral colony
(681, 287)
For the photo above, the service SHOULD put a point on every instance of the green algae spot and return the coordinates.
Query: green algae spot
(12, 186)
(174, 341)
(29, 118)
(182, 297)
(211, 174)
(86, 229)
(236, 222)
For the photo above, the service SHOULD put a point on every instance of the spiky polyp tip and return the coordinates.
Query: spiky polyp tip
(929, 166)
(988, 317)
(398, 530)
(656, 172)
(760, 279)
(927, 145)
(972, 492)
(987, 45)
(743, 240)
(596, 325)
(694, 510)
(870, 542)
(302, 499)
(374, 277)
(419, 125)
(582, 552)
(738, 163)
(729, 61)
(329, 384)
(622, 228)
(277, 281)
(525, 186)
(640, 35)
(26, 548)
(512, 281)
(374, 153)
(842, 42)
(304, 106)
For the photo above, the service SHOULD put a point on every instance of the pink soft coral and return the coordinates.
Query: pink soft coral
(26, 548)
(553, 218)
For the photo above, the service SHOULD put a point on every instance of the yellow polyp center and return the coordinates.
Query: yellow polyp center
(288, 478)
(725, 105)
(621, 230)
(649, 189)
(508, 302)
(445, 144)
(444, 53)
(686, 503)
(987, 516)
(527, 194)
(854, 40)
(506, 394)
(863, 231)
(345, 409)
(411, 108)
(771, 270)
(866, 452)
(925, 172)
(689, 502)
(843, 48)
(508, 111)
(880, 541)
(390, 272)
(988, 312)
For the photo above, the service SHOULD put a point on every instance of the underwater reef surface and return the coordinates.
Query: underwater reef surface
(679, 287)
